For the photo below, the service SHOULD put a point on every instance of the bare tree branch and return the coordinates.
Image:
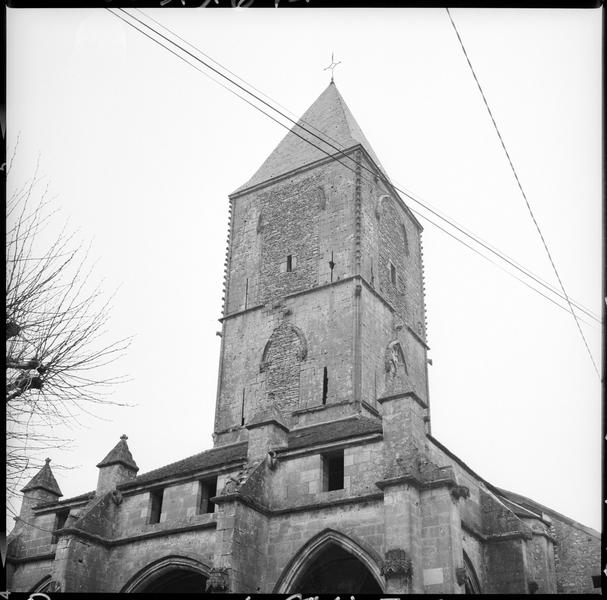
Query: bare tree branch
(56, 331)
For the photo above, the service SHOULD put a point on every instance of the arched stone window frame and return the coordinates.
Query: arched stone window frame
(379, 206)
(313, 547)
(471, 581)
(158, 568)
(44, 585)
(302, 351)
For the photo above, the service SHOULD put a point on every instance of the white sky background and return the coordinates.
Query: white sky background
(142, 151)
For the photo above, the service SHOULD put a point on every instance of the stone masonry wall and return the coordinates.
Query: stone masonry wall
(325, 319)
(289, 533)
(390, 235)
(28, 575)
(577, 558)
(379, 329)
(298, 481)
(126, 561)
(308, 216)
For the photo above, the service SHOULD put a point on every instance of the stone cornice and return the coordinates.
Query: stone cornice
(407, 394)
(109, 542)
(26, 559)
(274, 512)
(353, 441)
(329, 503)
(240, 312)
(509, 535)
(416, 481)
(358, 278)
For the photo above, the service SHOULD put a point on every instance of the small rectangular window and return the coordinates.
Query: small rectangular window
(289, 263)
(60, 520)
(156, 497)
(207, 489)
(392, 273)
(325, 385)
(596, 581)
(333, 471)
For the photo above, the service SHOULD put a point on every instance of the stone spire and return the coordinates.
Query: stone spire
(328, 118)
(44, 480)
(42, 489)
(118, 466)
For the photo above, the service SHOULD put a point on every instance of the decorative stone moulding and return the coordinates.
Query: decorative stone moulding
(396, 564)
(218, 581)
(460, 491)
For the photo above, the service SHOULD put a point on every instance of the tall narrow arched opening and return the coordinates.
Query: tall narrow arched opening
(332, 563)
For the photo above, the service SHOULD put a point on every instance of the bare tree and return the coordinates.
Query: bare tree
(56, 319)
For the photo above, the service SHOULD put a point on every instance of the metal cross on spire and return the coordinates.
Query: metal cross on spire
(332, 66)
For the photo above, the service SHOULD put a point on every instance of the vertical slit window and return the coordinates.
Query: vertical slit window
(60, 520)
(333, 471)
(325, 385)
(392, 274)
(207, 489)
(156, 497)
(289, 263)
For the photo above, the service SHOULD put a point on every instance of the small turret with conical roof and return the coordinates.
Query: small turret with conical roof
(42, 489)
(117, 467)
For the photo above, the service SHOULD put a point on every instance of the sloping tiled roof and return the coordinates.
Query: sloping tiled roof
(204, 460)
(45, 480)
(120, 454)
(332, 431)
(328, 118)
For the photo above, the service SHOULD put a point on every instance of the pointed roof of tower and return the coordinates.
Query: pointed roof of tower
(45, 480)
(330, 119)
(120, 454)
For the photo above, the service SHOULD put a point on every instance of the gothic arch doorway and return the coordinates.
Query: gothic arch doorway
(331, 563)
(170, 575)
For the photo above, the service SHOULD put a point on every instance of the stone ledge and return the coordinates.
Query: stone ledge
(275, 512)
(107, 542)
(319, 408)
(418, 482)
(345, 443)
(409, 393)
(26, 559)
(240, 312)
(510, 535)
(328, 504)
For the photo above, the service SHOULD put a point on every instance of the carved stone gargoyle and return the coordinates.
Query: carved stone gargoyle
(218, 581)
(396, 564)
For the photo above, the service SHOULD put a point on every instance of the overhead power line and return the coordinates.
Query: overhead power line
(340, 148)
(520, 187)
(339, 151)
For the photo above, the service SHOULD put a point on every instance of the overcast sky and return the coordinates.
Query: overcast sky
(142, 150)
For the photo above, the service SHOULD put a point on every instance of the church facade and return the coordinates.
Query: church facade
(324, 476)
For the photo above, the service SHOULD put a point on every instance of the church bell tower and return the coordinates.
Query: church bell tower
(324, 304)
